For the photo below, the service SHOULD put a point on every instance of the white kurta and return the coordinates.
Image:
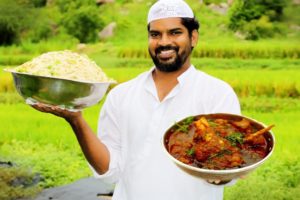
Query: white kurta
(132, 123)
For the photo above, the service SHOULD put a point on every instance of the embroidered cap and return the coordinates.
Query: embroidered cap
(169, 8)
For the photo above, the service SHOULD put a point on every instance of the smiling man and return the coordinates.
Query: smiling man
(135, 115)
(170, 44)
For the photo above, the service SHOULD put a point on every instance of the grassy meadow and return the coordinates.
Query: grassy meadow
(264, 73)
(46, 144)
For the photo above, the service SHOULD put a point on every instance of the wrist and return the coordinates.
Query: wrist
(74, 118)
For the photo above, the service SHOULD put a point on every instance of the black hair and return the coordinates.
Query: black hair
(189, 23)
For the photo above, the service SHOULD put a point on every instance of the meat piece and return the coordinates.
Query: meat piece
(224, 160)
(243, 124)
(181, 147)
(212, 150)
(257, 145)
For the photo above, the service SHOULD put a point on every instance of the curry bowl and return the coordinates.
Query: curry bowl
(218, 146)
(68, 94)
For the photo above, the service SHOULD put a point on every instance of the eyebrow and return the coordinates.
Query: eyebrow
(171, 30)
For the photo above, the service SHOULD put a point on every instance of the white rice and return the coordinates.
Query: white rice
(64, 64)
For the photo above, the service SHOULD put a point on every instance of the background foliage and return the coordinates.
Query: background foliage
(256, 18)
(13, 20)
(259, 57)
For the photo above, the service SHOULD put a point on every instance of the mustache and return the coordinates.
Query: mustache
(165, 48)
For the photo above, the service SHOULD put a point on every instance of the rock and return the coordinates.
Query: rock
(108, 31)
(240, 35)
(296, 2)
(6, 164)
(25, 182)
(223, 5)
(230, 2)
(81, 47)
(84, 189)
(221, 8)
(295, 27)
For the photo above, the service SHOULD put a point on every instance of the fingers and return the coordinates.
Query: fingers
(218, 181)
(39, 107)
(46, 108)
(55, 110)
(243, 176)
(214, 181)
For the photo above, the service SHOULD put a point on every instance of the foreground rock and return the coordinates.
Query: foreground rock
(83, 189)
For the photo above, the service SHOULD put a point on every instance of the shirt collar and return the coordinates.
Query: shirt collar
(180, 78)
(186, 75)
(150, 85)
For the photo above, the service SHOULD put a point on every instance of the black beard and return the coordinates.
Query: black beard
(168, 67)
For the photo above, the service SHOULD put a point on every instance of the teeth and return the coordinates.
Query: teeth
(167, 52)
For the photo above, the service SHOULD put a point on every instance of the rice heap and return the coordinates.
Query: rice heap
(64, 64)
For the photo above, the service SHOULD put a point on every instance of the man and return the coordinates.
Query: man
(136, 114)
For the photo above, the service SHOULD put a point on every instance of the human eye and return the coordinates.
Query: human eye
(154, 34)
(176, 32)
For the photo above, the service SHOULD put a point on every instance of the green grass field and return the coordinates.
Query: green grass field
(273, 82)
(46, 144)
(268, 90)
(264, 73)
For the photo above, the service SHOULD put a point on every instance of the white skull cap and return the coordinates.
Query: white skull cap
(169, 8)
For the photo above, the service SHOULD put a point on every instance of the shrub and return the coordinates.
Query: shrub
(80, 19)
(18, 22)
(17, 183)
(34, 3)
(41, 29)
(14, 18)
(83, 23)
(214, 1)
(39, 3)
(254, 18)
(66, 5)
(123, 1)
(260, 28)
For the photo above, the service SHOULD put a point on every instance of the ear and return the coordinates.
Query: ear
(194, 38)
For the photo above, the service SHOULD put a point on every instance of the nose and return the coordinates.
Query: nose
(165, 40)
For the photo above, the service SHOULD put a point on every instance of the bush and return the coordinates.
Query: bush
(39, 3)
(83, 23)
(17, 183)
(14, 18)
(214, 1)
(81, 19)
(41, 29)
(34, 3)
(123, 1)
(18, 22)
(255, 18)
(260, 28)
(66, 5)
